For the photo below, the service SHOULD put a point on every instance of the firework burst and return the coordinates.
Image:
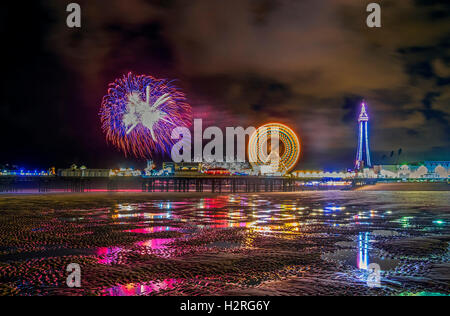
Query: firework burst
(139, 113)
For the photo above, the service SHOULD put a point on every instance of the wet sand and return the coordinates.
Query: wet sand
(405, 186)
(307, 243)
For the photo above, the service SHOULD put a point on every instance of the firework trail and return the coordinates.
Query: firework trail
(139, 113)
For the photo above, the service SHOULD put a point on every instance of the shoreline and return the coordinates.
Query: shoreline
(402, 186)
(380, 186)
(92, 200)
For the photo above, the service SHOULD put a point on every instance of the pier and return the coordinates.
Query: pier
(212, 184)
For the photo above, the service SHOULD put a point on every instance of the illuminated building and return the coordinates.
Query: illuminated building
(363, 140)
(218, 172)
(234, 168)
(187, 168)
(424, 170)
(125, 172)
(169, 165)
(74, 171)
(23, 172)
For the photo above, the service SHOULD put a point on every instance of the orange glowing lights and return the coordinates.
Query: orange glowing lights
(288, 149)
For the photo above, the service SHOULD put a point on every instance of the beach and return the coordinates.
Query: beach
(302, 243)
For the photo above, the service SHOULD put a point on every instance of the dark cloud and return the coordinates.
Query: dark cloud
(262, 10)
(422, 69)
(351, 107)
(413, 133)
(432, 114)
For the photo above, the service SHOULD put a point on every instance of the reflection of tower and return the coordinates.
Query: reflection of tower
(363, 251)
(363, 140)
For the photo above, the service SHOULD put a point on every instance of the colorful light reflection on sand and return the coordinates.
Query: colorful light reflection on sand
(211, 243)
(363, 251)
(136, 289)
(150, 230)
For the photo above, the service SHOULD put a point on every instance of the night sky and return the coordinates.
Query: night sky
(241, 62)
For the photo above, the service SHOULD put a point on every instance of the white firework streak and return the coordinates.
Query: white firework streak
(142, 112)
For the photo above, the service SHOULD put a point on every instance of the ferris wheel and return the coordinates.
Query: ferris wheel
(274, 145)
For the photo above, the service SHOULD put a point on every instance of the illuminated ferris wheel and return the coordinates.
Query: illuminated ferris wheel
(274, 145)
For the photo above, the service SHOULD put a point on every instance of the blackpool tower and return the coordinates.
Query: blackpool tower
(363, 140)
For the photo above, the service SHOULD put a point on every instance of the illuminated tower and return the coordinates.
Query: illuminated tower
(363, 140)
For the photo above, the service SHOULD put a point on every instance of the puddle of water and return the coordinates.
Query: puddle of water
(112, 255)
(223, 245)
(385, 233)
(360, 260)
(233, 212)
(149, 230)
(143, 215)
(360, 256)
(423, 294)
(147, 288)
(156, 244)
(109, 255)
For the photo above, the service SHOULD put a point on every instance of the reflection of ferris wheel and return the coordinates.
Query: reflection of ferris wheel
(274, 144)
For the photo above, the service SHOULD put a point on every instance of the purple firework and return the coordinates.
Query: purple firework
(139, 113)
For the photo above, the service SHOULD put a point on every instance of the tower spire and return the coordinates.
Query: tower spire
(363, 140)
(363, 117)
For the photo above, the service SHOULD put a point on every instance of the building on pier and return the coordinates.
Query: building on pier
(74, 171)
(423, 170)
